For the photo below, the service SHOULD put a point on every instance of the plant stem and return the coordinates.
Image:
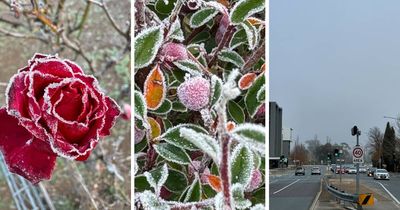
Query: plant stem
(224, 171)
(225, 39)
(253, 59)
(82, 183)
(140, 16)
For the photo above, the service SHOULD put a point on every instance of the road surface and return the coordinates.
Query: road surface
(290, 192)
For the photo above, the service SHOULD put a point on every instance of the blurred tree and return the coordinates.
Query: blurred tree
(375, 141)
(389, 147)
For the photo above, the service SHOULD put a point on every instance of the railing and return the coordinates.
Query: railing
(340, 194)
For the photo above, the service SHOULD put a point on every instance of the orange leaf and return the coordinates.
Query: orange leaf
(215, 182)
(247, 80)
(255, 21)
(224, 2)
(263, 68)
(155, 128)
(154, 88)
(230, 126)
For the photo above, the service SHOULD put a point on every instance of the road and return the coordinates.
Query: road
(290, 192)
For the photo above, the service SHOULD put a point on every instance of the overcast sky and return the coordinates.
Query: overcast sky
(335, 64)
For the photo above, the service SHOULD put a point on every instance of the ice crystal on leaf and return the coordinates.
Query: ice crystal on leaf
(151, 202)
(242, 162)
(251, 135)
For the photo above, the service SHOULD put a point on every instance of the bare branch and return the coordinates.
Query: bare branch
(23, 36)
(260, 52)
(225, 39)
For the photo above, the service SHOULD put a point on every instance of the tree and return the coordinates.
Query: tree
(300, 153)
(389, 147)
(312, 147)
(375, 141)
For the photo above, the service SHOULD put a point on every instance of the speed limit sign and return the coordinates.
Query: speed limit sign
(358, 155)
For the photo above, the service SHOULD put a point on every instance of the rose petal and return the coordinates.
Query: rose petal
(39, 56)
(110, 116)
(52, 66)
(16, 95)
(75, 68)
(24, 154)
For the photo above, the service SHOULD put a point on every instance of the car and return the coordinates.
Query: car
(362, 169)
(315, 170)
(352, 170)
(300, 170)
(381, 174)
(340, 170)
(371, 171)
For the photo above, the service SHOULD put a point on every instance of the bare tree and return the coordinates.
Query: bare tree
(375, 140)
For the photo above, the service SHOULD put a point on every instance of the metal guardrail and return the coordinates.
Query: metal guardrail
(339, 194)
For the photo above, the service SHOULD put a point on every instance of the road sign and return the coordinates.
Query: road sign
(366, 199)
(358, 155)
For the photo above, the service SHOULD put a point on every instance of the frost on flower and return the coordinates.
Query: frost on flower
(173, 52)
(256, 180)
(203, 141)
(194, 93)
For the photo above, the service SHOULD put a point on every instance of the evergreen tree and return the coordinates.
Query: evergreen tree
(389, 147)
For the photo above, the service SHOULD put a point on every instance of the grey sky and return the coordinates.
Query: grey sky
(335, 64)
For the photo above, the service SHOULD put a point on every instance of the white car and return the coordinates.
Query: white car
(381, 174)
(352, 170)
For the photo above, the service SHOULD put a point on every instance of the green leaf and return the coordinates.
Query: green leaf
(201, 37)
(216, 89)
(236, 112)
(238, 197)
(231, 57)
(141, 184)
(261, 94)
(202, 16)
(238, 38)
(251, 135)
(252, 34)
(208, 191)
(146, 45)
(244, 9)
(189, 66)
(176, 181)
(252, 104)
(194, 192)
(203, 141)
(141, 145)
(165, 108)
(258, 196)
(140, 110)
(176, 31)
(178, 107)
(150, 201)
(163, 8)
(173, 136)
(241, 165)
(172, 153)
(167, 124)
(157, 177)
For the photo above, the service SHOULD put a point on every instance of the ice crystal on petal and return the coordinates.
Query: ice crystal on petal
(174, 52)
(194, 93)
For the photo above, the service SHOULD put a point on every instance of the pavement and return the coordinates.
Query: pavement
(289, 192)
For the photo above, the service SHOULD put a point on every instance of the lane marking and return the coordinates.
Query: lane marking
(273, 181)
(286, 186)
(391, 195)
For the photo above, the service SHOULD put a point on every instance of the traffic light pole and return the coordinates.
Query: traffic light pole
(359, 207)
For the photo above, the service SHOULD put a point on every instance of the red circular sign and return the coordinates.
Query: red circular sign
(357, 152)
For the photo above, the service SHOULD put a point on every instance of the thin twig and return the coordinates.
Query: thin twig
(82, 183)
(77, 48)
(23, 36)
(260, 52)
(225, 39)
(203, 68)
(3, 84)
(140, 16)
(84, 18)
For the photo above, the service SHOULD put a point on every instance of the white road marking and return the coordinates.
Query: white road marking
(286, 186)
(391, 195)
(273, 181)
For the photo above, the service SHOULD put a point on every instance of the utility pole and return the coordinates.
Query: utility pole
(357, 133)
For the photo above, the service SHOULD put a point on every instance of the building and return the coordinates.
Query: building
(279, 138)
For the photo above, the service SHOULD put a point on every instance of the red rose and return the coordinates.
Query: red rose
(53, 109)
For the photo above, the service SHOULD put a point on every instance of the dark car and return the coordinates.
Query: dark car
(371, 171)
(300, 170)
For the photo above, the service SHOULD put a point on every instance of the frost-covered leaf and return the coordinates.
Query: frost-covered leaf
(172, 153)
(231, 57)
(219, 202)
(164, 7)
(218, 6)
(252, 104)
(255, 21)
(201, 37)
(252, 35)
(178, 107)
(176, 181)
(165, 108)
(155, 128)
(202, 16)
(236, 112)
(176, 31)
(237, 191)
(214, 182)
(258, 207)
(140, 110)
(216, 89)
(189, 66)
(173, 136)
(251, 135)
(261, 94)
(241, 165)
(244, 9)
(157, 177)
(194, 192)
(238, 38)
(246, 81)
(146, 45)
(150, 201)
(167, 124)
(141, 184)
(203, 141)
(155, 88)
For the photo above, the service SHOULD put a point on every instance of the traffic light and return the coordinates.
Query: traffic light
(336, 153)
(354, 131)
(329, 156)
